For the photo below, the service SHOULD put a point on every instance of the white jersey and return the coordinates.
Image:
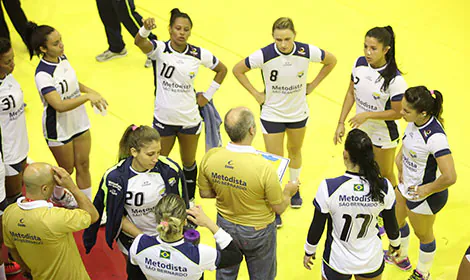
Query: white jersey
(60, 77)
(175, 101)
(285, 80)
(370, 97)
(352, 243)
(2, 171)
(13, 121)
(144, 191)
(178, 260)
(421, 146)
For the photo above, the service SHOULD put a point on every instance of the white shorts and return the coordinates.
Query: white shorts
(384, 135)
(14, 169)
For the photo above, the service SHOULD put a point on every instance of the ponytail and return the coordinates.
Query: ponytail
(170, 214)
(359, 147)
(36, 37)
(136, 137)
(176, 13)
(423, 100)
(386, 36)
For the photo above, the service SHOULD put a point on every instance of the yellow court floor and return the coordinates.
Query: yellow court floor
(432, 49)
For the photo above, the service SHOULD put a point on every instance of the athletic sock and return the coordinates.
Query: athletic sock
(87, 192)
(294, 175)
(190, 174)
(426, 257)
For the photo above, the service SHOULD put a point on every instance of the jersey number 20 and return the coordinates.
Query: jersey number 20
(138, 198)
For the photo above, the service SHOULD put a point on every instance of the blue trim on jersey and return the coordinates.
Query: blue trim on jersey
(432, 128)
(146, 242)
(247, 62)
(391, 125)
(315, 203)
(302, 50)
(334, 183)
(193, 51)
(397, 97)
(46, 67)
(430, 170)
(269, 53)
(190, 251)
(167, 48)
(214, 59)
(468, 251)
(51, 123)
(385, 186)
(322, 54)
(442, 153)
(361, 61)
(329, 239)
(48, 89)
(154, 43)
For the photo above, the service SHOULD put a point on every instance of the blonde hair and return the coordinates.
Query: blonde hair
(284, 23)
(171, 216)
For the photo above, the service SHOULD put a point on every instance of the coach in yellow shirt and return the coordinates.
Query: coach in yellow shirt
(248, 193)
(39, 235)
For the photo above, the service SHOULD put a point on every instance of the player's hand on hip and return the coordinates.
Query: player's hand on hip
(260, 97)
(308, 261)
(358, 119)
(63, 178)
(310, 87)
(201, 100)
(149, 23)
(339, 133)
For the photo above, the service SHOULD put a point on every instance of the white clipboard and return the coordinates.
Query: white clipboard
(280, 163)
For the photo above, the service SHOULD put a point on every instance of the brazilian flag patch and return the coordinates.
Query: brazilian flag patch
(165, 254)
(358, 187)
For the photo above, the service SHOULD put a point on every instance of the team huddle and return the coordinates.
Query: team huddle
(146, 201)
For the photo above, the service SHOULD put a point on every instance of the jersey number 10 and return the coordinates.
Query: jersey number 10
(167, 72)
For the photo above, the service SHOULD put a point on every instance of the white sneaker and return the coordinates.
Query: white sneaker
(148, 63)
(67, 200)
(108, 55)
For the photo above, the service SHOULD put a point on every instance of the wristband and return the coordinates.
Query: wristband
(211, 90)
(143, 32)
(310, 249)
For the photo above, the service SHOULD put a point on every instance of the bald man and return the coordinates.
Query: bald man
(38, 234)
(248, 194)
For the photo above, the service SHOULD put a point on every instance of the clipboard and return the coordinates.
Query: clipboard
(279, 163)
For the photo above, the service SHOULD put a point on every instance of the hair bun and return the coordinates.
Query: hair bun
(175, 11)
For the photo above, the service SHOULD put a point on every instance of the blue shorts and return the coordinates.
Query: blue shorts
(171, 130)
(276, 127)
(55, 143)
(431, 205)
(331, 274)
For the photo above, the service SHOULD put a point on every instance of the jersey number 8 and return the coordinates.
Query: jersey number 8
(273, 76)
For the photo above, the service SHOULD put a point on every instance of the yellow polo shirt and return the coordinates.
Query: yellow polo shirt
(42, 235)
(246, 184)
